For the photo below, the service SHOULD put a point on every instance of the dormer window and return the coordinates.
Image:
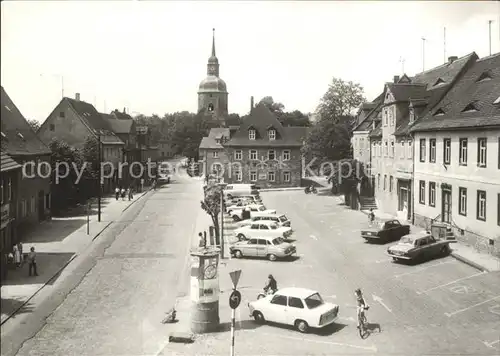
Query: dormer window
(251, 134)
(470, 108)
(440, 81)
(484, 77)
(20, 135)
(217, 140)
(272, 134)
(4, 135)
(497, 101)
(439, 112)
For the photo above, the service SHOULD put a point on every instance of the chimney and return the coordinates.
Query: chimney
(452, 59)
(396, 78)
(251, 102)
(124, 110)
(77, 96)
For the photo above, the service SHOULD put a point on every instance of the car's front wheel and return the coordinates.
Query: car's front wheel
(258, 317)
(301, 326)
(445, 250)
(272, 257)
(238, 254)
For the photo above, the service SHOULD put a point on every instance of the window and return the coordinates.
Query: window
(210, 107)
(432, 150)
(271, 176)
(272, 135)
(286, 176)
(462, 201)
(402, 153)
(279, 299)
(446, 151)
(422, 150)
(385, 148)
(52, 127)
(9, 190)
(286, 155)
(432, 193)
(215, 154)
(22, 208)
(253, 176)
(295, 303)
(1, 190)
(253, 154)
(385, 116)
(32, 205)
(251, 134)
(385, 181)
(392, 149)
(463, 151)
(271, 155)
(238, 155)
(481, 205)
(47, 201)
(421, 195)
(391, 182)
(238, 176)
(374, 148)
(61, 114)
(378, 181)
(410, 150)
(481, 152)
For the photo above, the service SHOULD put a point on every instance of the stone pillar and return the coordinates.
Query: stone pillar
(205, 290)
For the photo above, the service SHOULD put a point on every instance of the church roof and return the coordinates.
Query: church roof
(212, 84)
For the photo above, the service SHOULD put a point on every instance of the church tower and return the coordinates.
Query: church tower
(212, 93)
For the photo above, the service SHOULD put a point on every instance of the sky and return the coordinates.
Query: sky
(150, 56)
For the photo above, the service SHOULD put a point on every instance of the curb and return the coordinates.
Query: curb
(100, 232)
(139, 197)
(280, 189)
(42, 287)
(469, 262)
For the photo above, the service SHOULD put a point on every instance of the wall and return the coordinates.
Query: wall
(68, 128)
(361, 146)
(210, 162)
(294, 166)
(470, 176)
(219, 101)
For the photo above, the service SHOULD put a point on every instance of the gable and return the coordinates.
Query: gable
(389, 96)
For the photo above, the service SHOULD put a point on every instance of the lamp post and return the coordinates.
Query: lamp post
(221, 230)
(99, 190)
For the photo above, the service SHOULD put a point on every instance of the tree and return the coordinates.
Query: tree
(274, 107)
(340, 100)
(345, 176)
(233, 120)
(294, 118)
(90, 154)
(35, 125)
(211, 205)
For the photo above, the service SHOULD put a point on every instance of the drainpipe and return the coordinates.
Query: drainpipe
(412, 180)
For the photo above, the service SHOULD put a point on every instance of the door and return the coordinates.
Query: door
(250, 248)
(446, 206)
(41, 205)
(295, 310)
(278, 309)
(403, 198)
(264, 230)
(261, 248)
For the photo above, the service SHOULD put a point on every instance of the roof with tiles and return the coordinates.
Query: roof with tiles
(471, 101)
(366, 122)
(7, 163)
(261, 119)
(18, 138)
(118, 126)
(94, 120)
(215, 134)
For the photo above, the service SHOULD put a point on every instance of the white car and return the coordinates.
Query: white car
(255, 209)
(261, 229)
(281, 220)
(300, 307)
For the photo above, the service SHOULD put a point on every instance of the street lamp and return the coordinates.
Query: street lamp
(221, 230)
(99, 190)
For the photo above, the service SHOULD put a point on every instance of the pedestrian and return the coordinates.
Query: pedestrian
(117, 193)
(154, 184)
(32, 262)
(203, 242)
(123, 193)
(371, 216)
(130, 193)
(20, 248)
(17, 256)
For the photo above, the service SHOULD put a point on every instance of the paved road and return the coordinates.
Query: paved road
(438, 307)
(136, 273)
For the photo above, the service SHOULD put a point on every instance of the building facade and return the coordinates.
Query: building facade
(360, 140)
(33, 191)
(212, 154)
(265, 153)
(212, 92)
(457, 159)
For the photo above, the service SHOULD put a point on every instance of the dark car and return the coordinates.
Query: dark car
(421, 246)
(385, 231)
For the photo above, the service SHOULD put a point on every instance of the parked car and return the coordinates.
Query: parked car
(300, 307)
(419, 246)
(255, 210)
(263, 228)
(385, 231)
(268, 247)
(163, 178)
(281, 220)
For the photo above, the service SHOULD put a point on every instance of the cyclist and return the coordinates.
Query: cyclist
(361, 306)
(271, 285)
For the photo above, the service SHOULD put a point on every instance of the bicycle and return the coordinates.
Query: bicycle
(362, 322)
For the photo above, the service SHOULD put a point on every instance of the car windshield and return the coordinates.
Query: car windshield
(314, 301)
(273, 226)
(283, 218)
(262, 208)
(278, 241)
(406, 240)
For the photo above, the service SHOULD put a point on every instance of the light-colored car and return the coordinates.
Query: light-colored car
(267, 247)
(163, 178)
(281, 220)
(419, 246)
(300, 307)
(263, 228)
(254, 209)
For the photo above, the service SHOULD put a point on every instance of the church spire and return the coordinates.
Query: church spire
(213, 62)
(213, 42)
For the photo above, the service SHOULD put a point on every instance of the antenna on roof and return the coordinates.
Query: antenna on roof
(402, 61)
(489, 32)
(444, 45)
(423, 53)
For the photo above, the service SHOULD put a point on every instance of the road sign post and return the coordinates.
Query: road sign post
(234, 302)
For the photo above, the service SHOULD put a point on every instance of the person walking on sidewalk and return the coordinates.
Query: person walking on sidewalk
(123, 193)
(32, 262)
(128, 194)
(117, 193)
(20, 248)
(17, 255)
(371, 217)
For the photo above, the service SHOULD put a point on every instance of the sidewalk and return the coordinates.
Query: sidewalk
(460, 251)
(57, 242)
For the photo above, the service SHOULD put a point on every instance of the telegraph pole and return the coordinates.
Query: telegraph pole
(444, 45)
(99, 192)
(489, 32)
(423, 54)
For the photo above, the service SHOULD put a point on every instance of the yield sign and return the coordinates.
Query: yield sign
(235, 277)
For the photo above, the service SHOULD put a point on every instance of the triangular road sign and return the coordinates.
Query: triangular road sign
(235, 277)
